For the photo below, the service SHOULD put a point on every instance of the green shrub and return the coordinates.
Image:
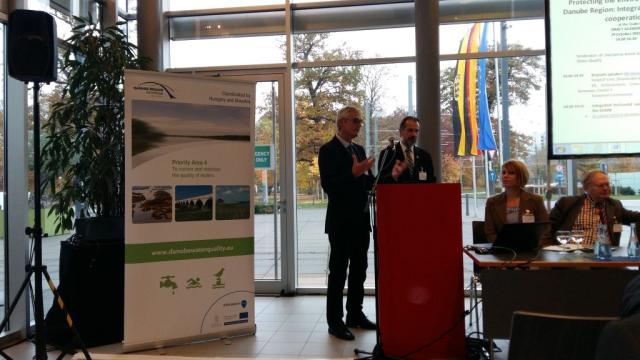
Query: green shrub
(264, 209)
(624, 190)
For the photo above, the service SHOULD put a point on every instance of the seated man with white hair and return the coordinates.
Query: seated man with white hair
(587, 211)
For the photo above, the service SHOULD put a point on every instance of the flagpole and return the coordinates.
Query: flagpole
(475, 186)
(498, 104)
(486, 172)
(486, 140)
(548, 184)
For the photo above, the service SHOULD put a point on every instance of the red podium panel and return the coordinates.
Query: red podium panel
(420, 284)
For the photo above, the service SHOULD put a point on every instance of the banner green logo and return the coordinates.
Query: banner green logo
(219, 283)
(167, 282)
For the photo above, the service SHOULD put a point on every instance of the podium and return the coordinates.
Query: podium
(420, 275)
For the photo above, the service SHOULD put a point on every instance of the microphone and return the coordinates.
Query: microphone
(391, 148)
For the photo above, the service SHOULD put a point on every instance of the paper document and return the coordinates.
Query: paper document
(566, 247)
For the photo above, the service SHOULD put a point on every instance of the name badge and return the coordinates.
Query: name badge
(617, 227)
(422, 176)
(528, 218)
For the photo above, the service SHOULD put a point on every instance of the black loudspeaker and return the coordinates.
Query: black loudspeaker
(91, 285)
(92, 288)
(32, 49)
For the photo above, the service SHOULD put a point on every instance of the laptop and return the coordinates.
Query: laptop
(520, 237)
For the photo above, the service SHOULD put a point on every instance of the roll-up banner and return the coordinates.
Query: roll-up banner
(189, 157)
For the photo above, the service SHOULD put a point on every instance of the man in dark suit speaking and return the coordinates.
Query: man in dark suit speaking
(345, 175)
(419, 164)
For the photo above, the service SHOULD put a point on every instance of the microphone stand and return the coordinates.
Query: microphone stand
(372, 192)
(377, 352)
(384, 158)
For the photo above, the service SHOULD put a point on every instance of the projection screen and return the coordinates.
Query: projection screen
(593, 72)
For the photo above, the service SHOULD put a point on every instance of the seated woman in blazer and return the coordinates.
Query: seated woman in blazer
(515, 201)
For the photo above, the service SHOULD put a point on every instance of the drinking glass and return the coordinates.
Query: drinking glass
(563, 236)
(577, 236)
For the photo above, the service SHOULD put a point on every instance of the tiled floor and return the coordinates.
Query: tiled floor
(287, 327)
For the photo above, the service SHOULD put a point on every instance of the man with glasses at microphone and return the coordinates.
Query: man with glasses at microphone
(419, 166)
(345, 175)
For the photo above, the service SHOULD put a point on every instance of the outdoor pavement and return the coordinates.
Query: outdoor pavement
(312, 248)
(313, 244)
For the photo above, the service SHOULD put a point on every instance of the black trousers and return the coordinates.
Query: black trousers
(348, 250)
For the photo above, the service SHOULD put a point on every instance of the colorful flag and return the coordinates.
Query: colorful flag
(471, 123)
(486, 140)
(459, 128)
(471, 104)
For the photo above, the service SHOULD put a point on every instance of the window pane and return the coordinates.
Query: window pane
(128, 6)
(63, 11)
(385, 92)
(353, 17)
(267, 254)
(132, 32)
(229, 51)
(370, 31)
(262, 23)
(130, 28)
(176, 5)
(360, 44)
(229, 39)
(312, 1)
(521, 34)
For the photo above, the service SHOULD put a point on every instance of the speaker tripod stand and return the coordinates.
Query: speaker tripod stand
(35, 266)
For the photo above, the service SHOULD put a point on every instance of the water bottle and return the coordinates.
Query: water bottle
(602, 249)
(617, 230)
(633, 248)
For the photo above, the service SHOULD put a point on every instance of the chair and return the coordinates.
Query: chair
(479, 237)
(548, 336)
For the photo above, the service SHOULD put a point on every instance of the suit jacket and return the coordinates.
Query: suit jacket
(631, 298)
(564, 214)
(620, 340)
(347, 208)
(421, 162)
(495, 213)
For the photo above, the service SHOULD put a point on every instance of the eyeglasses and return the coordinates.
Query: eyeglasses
(356, 120)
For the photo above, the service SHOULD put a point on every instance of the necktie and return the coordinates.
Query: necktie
(603, 216)
(601, 213)
(353, 151)
(409, 159)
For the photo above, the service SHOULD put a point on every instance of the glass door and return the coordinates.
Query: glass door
(269, 198)
(270, 215)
